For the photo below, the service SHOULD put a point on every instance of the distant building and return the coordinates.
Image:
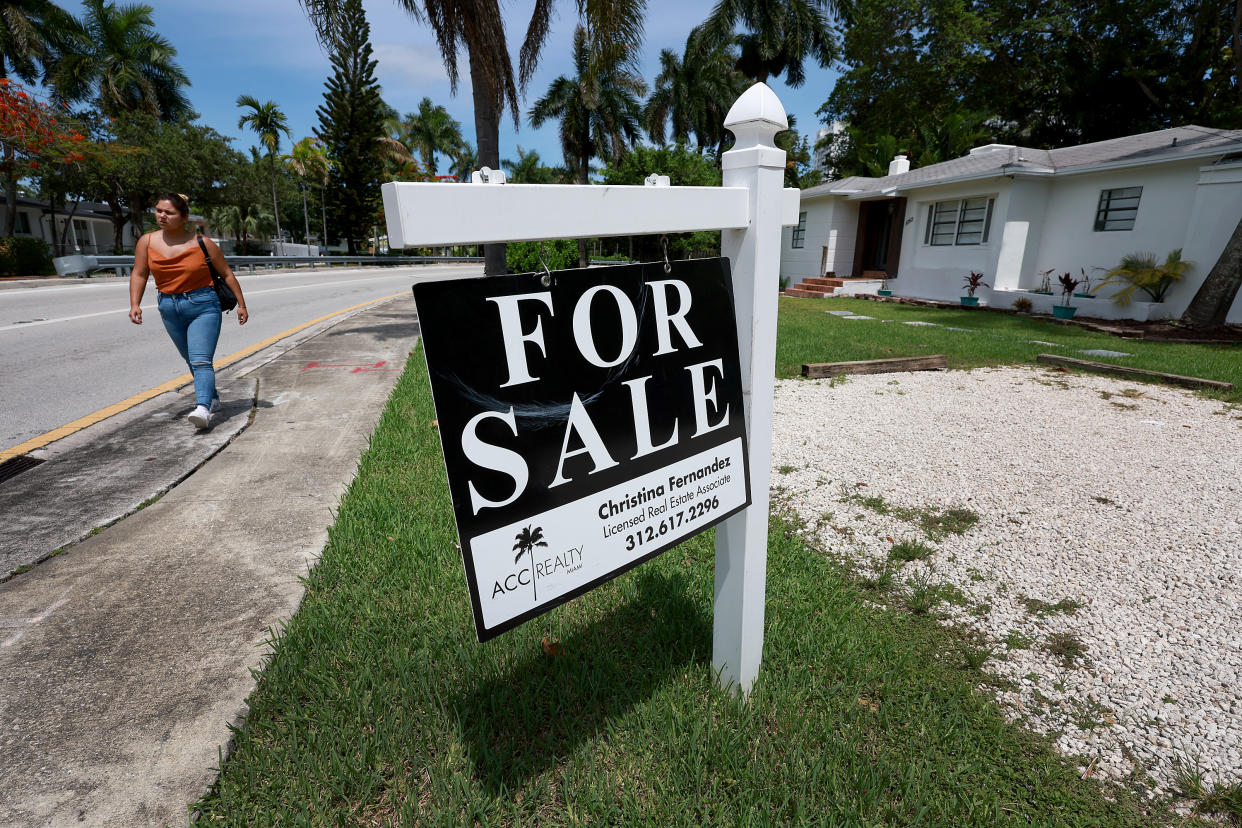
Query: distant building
(828, 142)
(87, 231)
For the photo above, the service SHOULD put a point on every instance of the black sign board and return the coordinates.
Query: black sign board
(590, 419)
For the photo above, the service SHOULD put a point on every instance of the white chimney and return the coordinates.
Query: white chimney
(900, 164)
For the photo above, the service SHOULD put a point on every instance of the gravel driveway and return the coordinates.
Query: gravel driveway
(1106, 563)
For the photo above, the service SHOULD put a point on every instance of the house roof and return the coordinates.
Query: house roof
(1162, 146)
(86, 209)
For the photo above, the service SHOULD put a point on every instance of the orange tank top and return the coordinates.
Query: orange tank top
(183, 272)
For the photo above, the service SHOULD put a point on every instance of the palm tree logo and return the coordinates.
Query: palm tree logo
(527, 540)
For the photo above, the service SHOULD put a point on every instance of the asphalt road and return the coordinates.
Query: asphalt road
(68, 349)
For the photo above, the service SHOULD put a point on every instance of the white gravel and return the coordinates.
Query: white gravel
(1123, 497)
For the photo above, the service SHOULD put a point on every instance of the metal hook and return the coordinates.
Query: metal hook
(546, 279)
(668, 268)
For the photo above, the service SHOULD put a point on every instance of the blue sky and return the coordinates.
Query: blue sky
(266, 48)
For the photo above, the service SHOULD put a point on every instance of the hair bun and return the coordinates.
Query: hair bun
(184, 197)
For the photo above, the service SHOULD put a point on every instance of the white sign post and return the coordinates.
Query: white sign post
(750, 207)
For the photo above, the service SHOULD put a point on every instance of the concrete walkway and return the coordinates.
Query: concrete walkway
(124, 659)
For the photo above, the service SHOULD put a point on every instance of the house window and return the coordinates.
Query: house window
(962, 221)
(23, 224)
(799, 233)
(1117, 209)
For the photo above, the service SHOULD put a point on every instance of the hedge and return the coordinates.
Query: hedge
(523, 257)
(25, 257)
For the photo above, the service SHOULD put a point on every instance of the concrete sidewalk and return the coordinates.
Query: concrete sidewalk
(124, 659)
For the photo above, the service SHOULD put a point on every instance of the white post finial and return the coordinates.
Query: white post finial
(756, 117)
(755, 257)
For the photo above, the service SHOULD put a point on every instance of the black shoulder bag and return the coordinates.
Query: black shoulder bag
(227, 300)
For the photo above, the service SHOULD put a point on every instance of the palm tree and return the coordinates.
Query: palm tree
(614, 25)
(693, 93)
(268, 122)
(781, 34)
(598, 125)
(25, 36)
(115, 57)
(527, 169)
(430, 130)
(308, 160)
(465, 162)
(240, 223)
(527, 540)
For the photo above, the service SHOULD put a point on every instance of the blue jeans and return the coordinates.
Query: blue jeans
(192, 319)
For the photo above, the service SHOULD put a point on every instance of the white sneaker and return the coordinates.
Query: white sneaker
(200, 417)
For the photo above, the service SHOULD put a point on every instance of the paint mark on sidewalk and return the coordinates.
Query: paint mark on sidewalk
(357, 369)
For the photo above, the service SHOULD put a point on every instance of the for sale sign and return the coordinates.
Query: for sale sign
(590, 421)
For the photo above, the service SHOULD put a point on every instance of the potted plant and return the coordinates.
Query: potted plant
(973, 282)
(1045, 283)
(884, 291)
(1141, 271)
(1085, 282)
(1065, 310)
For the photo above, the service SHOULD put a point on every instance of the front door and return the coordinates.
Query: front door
(878, 245)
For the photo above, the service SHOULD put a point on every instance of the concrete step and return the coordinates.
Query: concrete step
(823, 281)
(823, 290)
(804, 294)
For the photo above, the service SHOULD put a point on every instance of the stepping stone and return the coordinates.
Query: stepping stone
(922, 324)
(1049, 344)
(839, 313)
(967, 330)
(858, 316)
(1101, 352)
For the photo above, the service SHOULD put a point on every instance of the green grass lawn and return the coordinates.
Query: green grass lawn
(809, 334)
(378, 706)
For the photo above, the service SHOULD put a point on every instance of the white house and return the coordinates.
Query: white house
(1014, 212)
(89, 231)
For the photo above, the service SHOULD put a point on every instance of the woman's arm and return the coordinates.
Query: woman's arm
(138, 281)
(222, 267)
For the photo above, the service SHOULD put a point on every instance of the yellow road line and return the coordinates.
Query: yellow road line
(173, 384)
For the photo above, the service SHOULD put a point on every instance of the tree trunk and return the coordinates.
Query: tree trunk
(323, 207)
(119, 219)
(1211, 304)
(305, 218)
(10, 192)
(10, 181)
(56, 251)
(584, 177)
(487, 134)
(275, 206)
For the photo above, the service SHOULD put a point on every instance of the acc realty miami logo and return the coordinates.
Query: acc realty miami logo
(538, 564)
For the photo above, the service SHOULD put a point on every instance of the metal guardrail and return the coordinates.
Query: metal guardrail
(123, 264)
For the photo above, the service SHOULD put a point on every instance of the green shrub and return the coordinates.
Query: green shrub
(25, 257)
(523, 257)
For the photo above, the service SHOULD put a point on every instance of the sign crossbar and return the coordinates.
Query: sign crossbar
(426, 214)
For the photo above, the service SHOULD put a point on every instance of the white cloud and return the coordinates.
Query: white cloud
(400, 65)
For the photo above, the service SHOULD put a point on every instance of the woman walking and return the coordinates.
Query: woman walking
(188, 304)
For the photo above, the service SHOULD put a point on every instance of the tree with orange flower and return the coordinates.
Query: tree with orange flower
(33, 136)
